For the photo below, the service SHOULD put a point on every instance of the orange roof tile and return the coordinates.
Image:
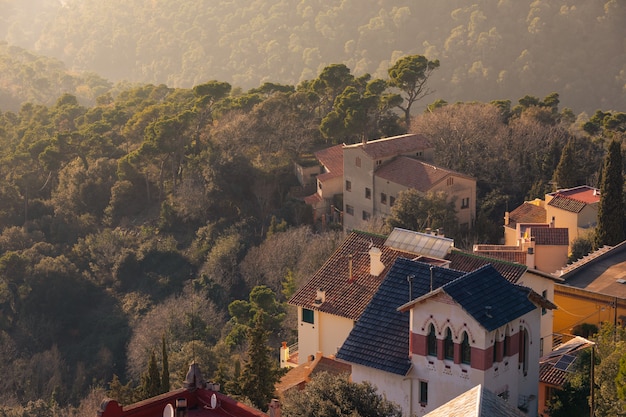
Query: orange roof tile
(332, 159)
(554, 236)
(413, 173)
(395, 145)
(527, 213)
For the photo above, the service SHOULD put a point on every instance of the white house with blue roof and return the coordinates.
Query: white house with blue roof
(430, 334)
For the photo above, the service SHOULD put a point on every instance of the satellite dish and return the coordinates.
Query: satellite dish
(168, 411)
(213, 401)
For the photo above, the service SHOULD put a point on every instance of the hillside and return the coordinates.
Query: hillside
(491, 49)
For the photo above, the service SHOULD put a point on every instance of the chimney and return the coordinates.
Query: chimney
(350, 277)
(320, 297)
(552, 222)
(376, 266)
(274, 408)
(507, 219)
(181, 407)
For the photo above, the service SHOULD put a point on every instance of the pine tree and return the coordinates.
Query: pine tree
(566, 173)
(260, 373)
(610, 228)
(151, 380)
(165, 372)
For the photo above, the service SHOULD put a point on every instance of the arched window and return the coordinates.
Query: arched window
(448, 346)
(495, 347)
(524, 341)
(506, 341)
(466, 350)
(432, 341)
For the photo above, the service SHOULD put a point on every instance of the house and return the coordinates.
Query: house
(337, 294)
(375, 172)
(329, 183)
(431, 333)
(575, 209)
(196, 399)
(557, 367)
(297, 378)
(518, 274)
(476, 402)
(593, 290)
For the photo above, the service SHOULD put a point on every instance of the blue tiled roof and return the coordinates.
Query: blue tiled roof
(380, 338)
(489, 298)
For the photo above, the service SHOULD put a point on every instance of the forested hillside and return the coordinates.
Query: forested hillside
(489, 49)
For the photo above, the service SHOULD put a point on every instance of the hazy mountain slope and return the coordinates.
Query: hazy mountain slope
(488, 50)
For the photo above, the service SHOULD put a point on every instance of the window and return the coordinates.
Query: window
(523, 350)
(308, 316)
(466, 350)
(349, 210)
(541, 347)
(357, 162)
(348, 185)
(450, 181)
(383, 198)
(465, 203)
(418, 154)
(448, 346)
(319, 185)
(423, 393)
(432, 341)
(392, 201)
(494, 359)
(505, 345)
(379, 162)
(544, 294)
(366, 215)
(368, 193)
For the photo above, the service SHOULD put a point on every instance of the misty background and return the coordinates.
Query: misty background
(488, 49)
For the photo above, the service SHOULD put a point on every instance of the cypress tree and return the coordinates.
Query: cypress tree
(260, 373)
(151, 381)
(566, 173)
(165, 373)
(610, 228)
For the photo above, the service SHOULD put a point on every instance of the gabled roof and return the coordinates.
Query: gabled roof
(348, 289)
(527, 213)
(567, 204)
(380, 339)
(487, 296)
(550, 236)
(332, 159)
(476, 402)
(555, 367)
(396, 145)
(468, 262)
(582, 193)
(414, 174)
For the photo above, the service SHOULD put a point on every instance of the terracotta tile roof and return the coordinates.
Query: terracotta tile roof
(347, 296)
(527, 213)
(556, 367)
(313, 199)
(553, 236)
(332, 159)
(583, 193)
(300, 375)
(396, 145)
(517, 256)
(567, 204)
(468, 262)
(413, 173)
(476, 402)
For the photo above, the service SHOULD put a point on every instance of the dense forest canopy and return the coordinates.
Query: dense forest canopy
(138, 215)
(488, 49)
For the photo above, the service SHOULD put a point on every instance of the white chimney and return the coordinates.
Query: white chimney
(507, 218)
(274, 410)
(376, 266)
(320, 296)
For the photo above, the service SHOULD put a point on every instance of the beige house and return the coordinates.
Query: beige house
(328, 183)
(375, 172)
(575, 209)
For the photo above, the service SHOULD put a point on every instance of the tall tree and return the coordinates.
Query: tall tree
(151, 381)
(410, 74)
(415, 211)
(610, 228)
(260, 372)
(165, 372)
(566, 174)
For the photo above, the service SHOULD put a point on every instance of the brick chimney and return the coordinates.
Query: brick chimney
(274, 408)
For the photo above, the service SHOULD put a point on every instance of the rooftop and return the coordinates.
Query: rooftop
(527, 213)
(332, 159)
(468, 262)
(555, 367)
(476, 402)
(413, 173)
(582, 193)
(392, 146)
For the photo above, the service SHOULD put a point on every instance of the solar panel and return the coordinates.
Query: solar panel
(419, 243)
(565, 362)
